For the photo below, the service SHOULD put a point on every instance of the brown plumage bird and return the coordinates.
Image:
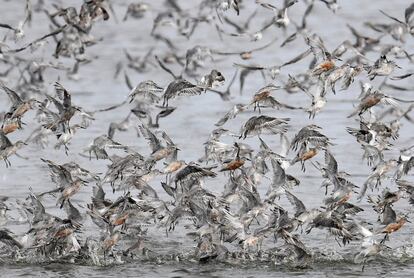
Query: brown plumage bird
(393, 227)
(235, 163)
(304, 155)
(371, 100)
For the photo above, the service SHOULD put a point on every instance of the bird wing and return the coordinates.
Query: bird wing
(408, 13)
(297, 58)
(167, 139)
(389, 101)
(299, 206)
(279, 175)
(391, 17)
(388, 215)
(269, 87)
(371, 153)
(230, 114)
(331, 163)
(14, 97)
(7, 26)
(4, 141)
(58, 105)
(189, 89)
(408, 165)
(151, 138)
(63, 94)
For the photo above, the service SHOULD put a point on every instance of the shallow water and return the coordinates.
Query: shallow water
(196, 270)
(190, 126)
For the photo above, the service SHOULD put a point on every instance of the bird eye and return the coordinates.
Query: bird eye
(218, 73)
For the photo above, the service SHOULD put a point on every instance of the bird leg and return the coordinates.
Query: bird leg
(384, 239)
(336, 239)
(363, 265)
(232, 174)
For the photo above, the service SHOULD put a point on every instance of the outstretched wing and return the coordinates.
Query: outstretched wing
(151, 138)
(14, 97)
(4, 141)
(63, 94)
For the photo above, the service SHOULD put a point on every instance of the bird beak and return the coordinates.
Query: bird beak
(397, 66)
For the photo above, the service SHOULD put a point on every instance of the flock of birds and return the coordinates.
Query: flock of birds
(162, 190)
